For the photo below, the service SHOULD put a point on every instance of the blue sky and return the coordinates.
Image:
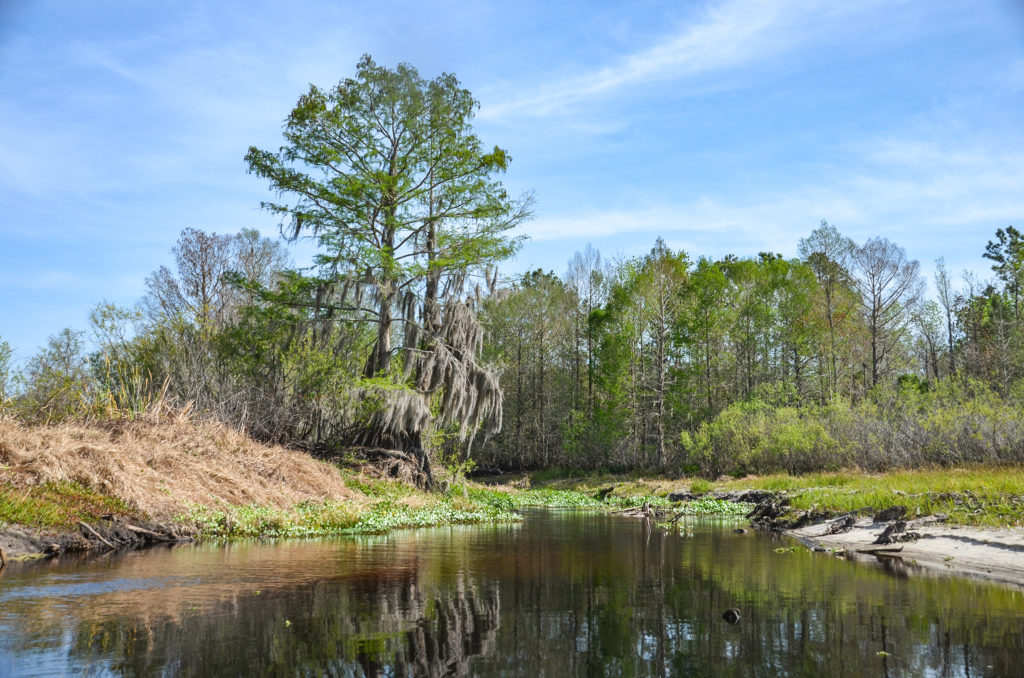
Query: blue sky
(730, 126)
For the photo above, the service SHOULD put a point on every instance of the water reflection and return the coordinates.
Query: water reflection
(560, 595)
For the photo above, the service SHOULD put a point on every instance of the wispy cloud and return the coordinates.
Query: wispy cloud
(765, 224)
(937, 196)
(725, 35)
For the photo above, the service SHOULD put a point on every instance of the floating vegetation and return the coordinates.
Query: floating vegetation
(313, 519)
(553, 498)
(789, 549)
(707, 506)
(389, 517)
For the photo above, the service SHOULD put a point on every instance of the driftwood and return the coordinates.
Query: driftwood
(890, 534)
(644, 511)
(148, 533)
(844, 524)
(97, 535)
(678, 516)
(881, 549)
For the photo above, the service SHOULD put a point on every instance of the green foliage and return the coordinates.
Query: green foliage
(393, 516)
(756, 438)
(497, 500)
(547, 497)
(56, 505)
(58, 381)
(552, 498)
(311, 519)
(1007, 254)
(700, 486)
(707, 506)
(306, 519)
(395, 207)
(903, 426)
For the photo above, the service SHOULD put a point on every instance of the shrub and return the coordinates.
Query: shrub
(753, 437)
(953, 422)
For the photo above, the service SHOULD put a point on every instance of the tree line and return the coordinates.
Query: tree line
(640, 362)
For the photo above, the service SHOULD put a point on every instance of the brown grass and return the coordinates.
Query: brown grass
(161, 465)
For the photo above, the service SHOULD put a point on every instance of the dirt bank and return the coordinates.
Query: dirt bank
(22, 544)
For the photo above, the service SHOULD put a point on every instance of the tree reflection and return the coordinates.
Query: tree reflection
(562, 595)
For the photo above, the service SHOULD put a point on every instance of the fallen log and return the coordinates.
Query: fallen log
(97, 535)
(144, 531)
(882, 549)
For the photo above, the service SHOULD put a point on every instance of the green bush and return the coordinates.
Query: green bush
(953, 422)
(753, 437)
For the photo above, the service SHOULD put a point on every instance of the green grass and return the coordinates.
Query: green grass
(56, 505)
(377, 488)
(990, 496)
(700, 486)
(975, 495)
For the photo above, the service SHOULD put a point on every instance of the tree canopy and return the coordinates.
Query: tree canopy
(385, 173)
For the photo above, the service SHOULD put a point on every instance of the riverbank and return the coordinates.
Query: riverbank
(981, 496)
(964, 521)
(927, 544)
(92, 487)
(115, 484)
(159, 479)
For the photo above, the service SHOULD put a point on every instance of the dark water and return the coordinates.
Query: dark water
(561, 594)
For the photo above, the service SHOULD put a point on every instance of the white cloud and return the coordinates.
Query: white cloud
(768, 222)
(725, 35)
(935, 196)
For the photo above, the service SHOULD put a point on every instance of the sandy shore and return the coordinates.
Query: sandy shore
(988, 553)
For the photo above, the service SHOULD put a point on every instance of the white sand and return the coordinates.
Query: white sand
(990, 553)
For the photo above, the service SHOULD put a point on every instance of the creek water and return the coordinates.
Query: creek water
(560, 594)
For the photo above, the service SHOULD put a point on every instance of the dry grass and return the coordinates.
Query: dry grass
(162, 465)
